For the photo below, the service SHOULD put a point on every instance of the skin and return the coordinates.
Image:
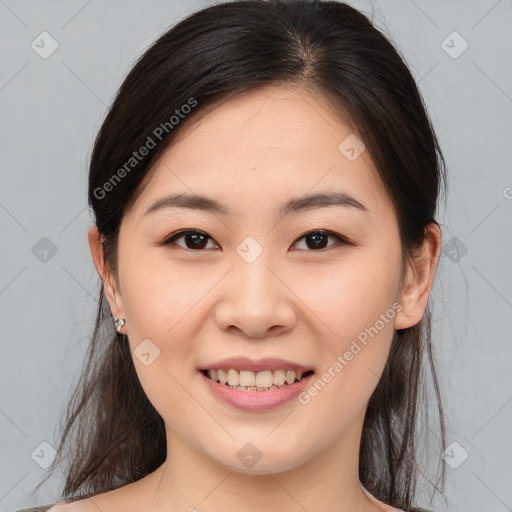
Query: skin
(253, 152)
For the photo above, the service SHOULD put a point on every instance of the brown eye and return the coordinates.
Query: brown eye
(195, 239)
(318, 239)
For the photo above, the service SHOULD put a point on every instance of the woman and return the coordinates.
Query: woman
(265, 188)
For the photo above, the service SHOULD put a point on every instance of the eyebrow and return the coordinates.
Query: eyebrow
(294, 205)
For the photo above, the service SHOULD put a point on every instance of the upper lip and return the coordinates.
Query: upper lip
(256, 365)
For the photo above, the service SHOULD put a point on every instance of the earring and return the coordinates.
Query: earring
(119, 322)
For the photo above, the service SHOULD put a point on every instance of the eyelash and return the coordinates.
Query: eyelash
(180, 234)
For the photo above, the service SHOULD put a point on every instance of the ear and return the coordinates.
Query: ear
(418, 280)
(112, 293)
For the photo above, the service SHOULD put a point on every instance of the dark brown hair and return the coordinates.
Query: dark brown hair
(112, 434)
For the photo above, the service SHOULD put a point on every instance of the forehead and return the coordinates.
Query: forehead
(266, 122)
(265, 145)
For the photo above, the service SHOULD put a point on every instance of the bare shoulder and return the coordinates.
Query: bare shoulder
(85, 504)
(69, 506)
(129, 498)
(50, 507)
(126, 498)
(80, 505)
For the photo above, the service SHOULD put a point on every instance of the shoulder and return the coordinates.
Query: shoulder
(413, 509)
(42, 508)
(59, 506)
(389, 508)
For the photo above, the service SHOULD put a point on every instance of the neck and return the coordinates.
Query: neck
(191, 481)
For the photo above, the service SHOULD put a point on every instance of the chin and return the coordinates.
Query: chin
(264, 462)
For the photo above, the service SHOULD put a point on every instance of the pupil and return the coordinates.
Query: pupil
(197, 237)
(316, 245)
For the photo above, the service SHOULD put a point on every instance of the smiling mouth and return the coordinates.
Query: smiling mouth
(266, 380)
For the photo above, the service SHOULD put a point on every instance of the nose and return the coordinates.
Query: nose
(255, 300)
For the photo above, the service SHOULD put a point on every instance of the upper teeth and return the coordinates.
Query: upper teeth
(264, 379)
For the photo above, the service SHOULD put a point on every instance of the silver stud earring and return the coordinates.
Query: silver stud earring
(119, 322)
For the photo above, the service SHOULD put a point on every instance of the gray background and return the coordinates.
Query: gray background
(50, 111)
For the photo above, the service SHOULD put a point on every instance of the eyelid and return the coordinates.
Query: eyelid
(341, 239)
(178, 234)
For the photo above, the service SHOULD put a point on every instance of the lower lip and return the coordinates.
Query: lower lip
(256, 400)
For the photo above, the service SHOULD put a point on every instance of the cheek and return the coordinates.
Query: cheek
(357, 305)
(351, 295)
(163, 305)
(158, 295)
(352, 352)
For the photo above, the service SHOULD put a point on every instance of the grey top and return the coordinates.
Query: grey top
(43, 508)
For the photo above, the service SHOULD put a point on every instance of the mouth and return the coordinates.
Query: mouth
(246, 380)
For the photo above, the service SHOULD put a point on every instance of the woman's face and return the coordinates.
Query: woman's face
(255, 287)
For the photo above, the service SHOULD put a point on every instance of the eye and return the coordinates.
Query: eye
(195, 239)
(318, 236)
